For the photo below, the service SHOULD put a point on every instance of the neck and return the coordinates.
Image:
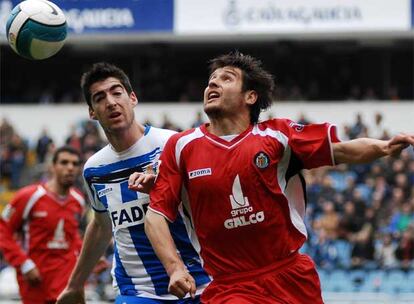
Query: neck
(124, 139)
(54, 187)
(228, 126)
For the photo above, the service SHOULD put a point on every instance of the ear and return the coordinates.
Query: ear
(251, 97)
(134, 99)
(92, 114)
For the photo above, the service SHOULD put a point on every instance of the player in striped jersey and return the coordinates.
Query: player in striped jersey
(138, 275)
(46, 217)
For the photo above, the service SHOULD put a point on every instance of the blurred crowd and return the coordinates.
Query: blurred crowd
(323, 71)
(357, 215)
(362, 216)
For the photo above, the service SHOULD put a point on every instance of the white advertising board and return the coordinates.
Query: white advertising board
(212, 17)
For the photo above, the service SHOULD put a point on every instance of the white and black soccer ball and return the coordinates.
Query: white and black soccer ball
(36, 29)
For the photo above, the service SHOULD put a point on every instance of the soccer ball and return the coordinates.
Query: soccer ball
(36, 29)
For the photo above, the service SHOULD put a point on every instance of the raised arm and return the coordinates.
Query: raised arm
(365, 150)
(97, 237)
(158, 232)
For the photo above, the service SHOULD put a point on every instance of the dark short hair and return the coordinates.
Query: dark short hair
(101, 71)
(254, 77)
(68, 149)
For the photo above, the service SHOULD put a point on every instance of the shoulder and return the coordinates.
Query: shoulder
(281, 124)
(182, 139)
(77, 195)
(158, 136)
(99, 157)
(279, 128)
(153, 131)
(27, 192)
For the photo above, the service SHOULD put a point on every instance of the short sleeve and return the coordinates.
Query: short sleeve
(312, 143)
(96, 204)
(165, 196)
(13, 212)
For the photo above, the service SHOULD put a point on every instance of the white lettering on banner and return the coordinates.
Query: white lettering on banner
(287, 16)
(271, 13)
(109, 18)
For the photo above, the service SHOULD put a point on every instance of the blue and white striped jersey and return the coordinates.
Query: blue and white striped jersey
(136, 269)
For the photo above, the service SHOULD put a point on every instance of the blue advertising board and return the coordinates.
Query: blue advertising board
(412, 14)
(108, 16)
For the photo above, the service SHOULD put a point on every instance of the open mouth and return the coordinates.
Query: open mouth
(212, 95)
(114, 115)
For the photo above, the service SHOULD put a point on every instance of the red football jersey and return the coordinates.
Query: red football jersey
(48, 227)
(246, 196)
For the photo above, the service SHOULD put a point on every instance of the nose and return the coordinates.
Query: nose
(70, 166)
(212, 83)
(110, 101)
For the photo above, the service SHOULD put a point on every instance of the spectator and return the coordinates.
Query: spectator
(324, 251)
(363, 240)
(199, 120)
(405, 249)
(43, 145)
(17, 149)
(385, 251)
(302, 120)
(402, 219)
(74, 140)
(328, 221)
(377, 131)
(357, 128)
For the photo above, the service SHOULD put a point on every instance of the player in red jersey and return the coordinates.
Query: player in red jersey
(46, 219)
(246, 197)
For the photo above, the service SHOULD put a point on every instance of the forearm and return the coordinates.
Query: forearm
(158, 233)
(13, 253)
(361, 150)
(97, 238)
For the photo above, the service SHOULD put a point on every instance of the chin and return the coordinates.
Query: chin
(68, 183)
(212, 110)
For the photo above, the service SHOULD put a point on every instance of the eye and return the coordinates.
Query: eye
(97, 98)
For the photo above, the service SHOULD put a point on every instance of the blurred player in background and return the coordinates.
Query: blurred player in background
(246, 195)
(46, 219)
(138, 275)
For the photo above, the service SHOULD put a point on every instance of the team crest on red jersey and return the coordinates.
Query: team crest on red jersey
(296, 126)
(261, 160)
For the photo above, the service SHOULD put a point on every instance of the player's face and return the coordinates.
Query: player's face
(111, 104)
(66, 169)
(223, 94)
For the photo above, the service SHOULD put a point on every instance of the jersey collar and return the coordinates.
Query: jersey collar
(224, 143)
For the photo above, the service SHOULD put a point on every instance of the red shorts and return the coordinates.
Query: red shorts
(293, 280)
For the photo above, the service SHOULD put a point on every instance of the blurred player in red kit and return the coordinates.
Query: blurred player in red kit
(45, 219)
(246, 195)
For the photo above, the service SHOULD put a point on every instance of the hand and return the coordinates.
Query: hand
(141, 182)
(71, 296)
(181, 282)
(399, 143)
(33, 277)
